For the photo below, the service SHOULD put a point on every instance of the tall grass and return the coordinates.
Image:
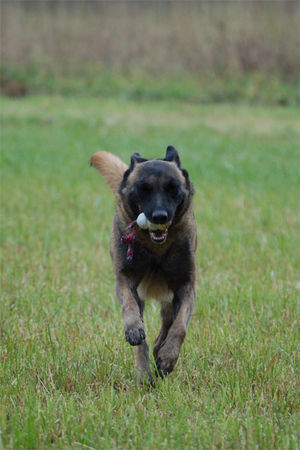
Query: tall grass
(203, 40)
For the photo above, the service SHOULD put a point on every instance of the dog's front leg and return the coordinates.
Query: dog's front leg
(169, 350)
(132, 310)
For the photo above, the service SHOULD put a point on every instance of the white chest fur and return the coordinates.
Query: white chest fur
(154, 286)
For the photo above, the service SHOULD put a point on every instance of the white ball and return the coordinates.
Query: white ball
(142, 221)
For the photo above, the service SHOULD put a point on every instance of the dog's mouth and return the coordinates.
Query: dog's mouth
(158, 236)
(158, 232)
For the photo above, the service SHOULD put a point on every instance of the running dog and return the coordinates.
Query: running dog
(153, 244)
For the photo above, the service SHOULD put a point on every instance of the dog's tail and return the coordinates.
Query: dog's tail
(111, 168)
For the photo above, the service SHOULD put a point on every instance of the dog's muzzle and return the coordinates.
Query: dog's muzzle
(158, 232)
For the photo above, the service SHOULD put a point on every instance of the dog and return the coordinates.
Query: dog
(152, 246)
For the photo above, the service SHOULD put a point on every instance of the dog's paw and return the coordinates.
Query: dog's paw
(146, 379)
(164, 367)
(134, 335)
(166, 360)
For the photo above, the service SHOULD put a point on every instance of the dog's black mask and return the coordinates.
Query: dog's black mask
(158, 190)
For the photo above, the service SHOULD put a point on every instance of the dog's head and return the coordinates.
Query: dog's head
(159, 188)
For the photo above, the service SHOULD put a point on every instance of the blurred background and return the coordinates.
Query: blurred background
(210, 51)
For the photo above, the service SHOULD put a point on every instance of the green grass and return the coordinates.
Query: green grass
(253, 89)
(67, 376)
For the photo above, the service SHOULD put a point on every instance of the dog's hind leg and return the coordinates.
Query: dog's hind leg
(167, 320)
(143, 364)
(169, 350)
(142, 353)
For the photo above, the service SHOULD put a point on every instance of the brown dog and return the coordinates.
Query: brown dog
(155, 257)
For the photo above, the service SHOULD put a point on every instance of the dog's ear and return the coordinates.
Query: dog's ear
(135, 158)
(172, 155)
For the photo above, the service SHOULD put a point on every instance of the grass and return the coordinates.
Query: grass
(253, 89)
(67, 377)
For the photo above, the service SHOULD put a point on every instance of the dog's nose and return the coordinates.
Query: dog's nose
(159, 216)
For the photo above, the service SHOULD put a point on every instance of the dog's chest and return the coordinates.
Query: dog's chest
(153, 285)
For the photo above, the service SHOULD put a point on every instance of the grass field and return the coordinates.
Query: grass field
(67, 376)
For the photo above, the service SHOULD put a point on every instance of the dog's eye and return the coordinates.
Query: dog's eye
(145, 188)
(172, 188)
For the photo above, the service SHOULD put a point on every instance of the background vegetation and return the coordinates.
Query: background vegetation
(197, 51)
(218, 81)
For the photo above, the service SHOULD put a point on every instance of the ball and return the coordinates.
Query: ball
(143, 222)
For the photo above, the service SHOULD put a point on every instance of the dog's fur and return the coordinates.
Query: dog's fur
(165, 271)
